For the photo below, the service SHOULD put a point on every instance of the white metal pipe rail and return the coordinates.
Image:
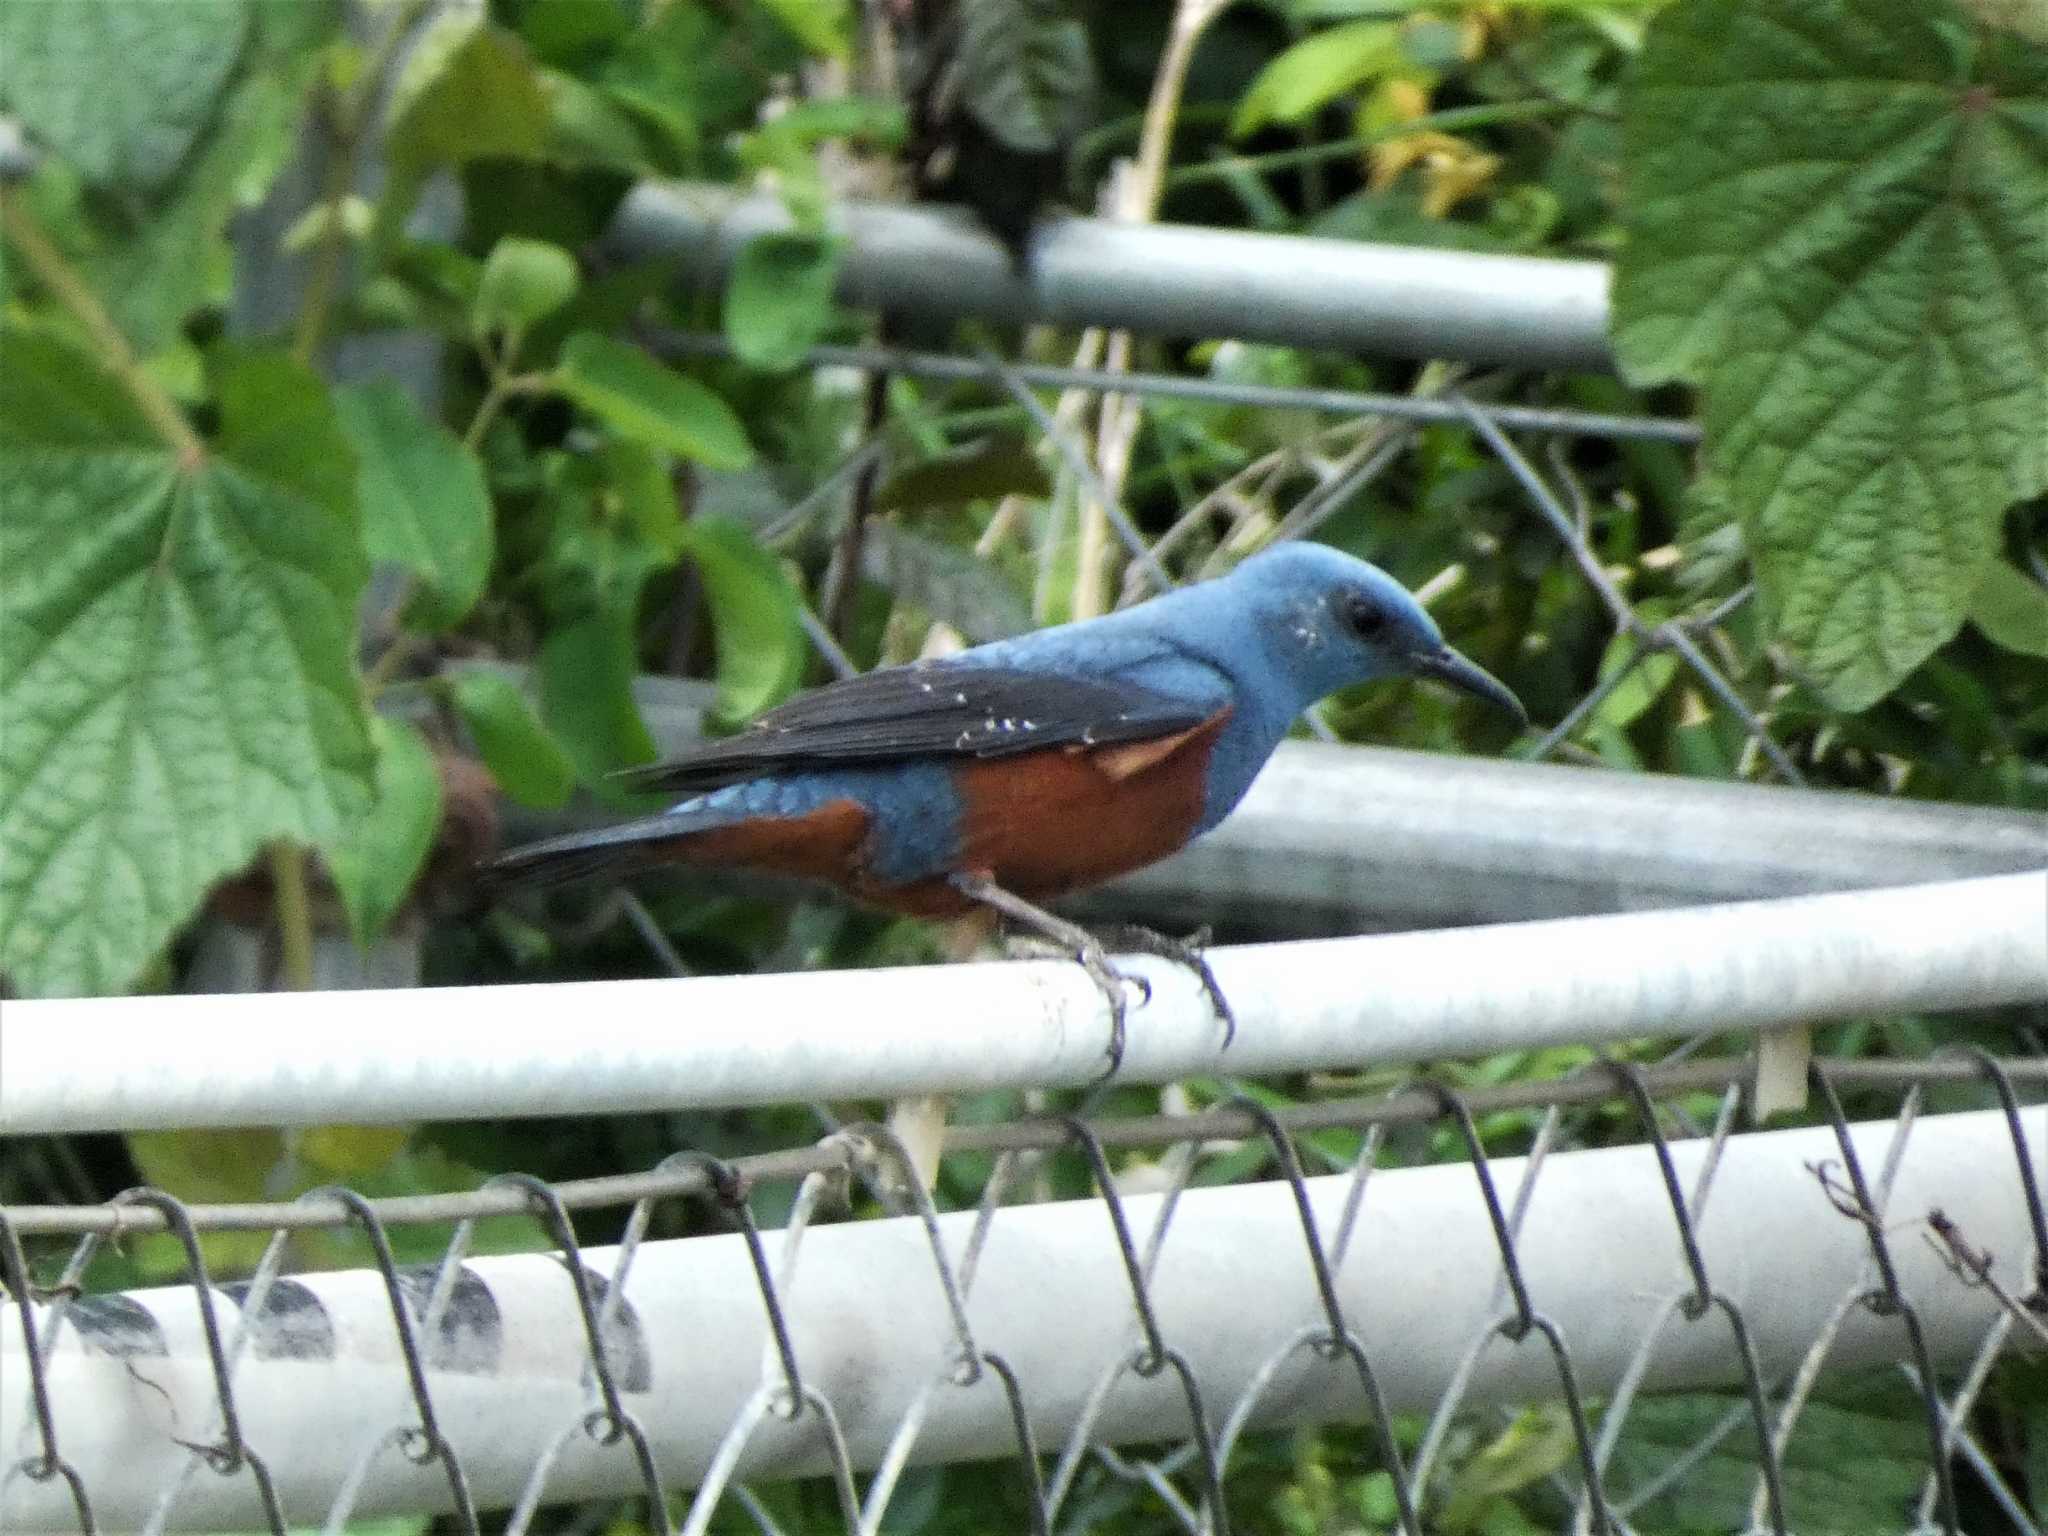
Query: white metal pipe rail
(1330, 833)
(615, 1046)
(871, 1331)
(1164, 279)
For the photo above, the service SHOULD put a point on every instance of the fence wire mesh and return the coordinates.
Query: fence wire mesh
(1599, 1482)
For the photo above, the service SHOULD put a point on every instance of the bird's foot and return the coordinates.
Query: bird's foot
(1071, 939)
(1184, 952)
(1088, 952)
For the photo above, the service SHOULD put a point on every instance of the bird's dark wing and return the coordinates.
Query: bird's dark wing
(930, 709)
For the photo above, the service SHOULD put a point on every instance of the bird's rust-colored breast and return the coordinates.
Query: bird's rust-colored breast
(1043, 823)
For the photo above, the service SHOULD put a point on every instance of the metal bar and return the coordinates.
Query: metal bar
(1334, 838)
(1134, 1132)
(946, 367)
(871, 1326)
(504, 1051)
(1163, 279)
(1332, 835)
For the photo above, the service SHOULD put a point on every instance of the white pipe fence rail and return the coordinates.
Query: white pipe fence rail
(1328, 1004)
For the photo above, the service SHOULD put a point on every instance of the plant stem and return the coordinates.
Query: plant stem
(294, 914)
(347, 121)
(1222, 167)
(70, 290)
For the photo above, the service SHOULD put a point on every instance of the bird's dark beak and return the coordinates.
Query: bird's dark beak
(1447, 666)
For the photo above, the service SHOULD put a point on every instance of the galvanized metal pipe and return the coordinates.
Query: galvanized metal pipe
(1163, 279)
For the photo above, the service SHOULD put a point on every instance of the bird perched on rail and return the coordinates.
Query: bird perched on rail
(1012, 773)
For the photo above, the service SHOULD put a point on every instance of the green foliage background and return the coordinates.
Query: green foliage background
(1829, 241)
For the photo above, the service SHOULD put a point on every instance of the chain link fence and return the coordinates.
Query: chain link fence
(721, 1362)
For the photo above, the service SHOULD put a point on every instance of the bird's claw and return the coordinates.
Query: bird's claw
(1110, 981)
(1183, 952)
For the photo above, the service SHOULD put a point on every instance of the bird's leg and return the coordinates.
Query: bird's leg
(1071, 937)
(1186, 952)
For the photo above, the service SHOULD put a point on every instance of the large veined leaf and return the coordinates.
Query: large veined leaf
(176, 683)
(1836, 231)
(120, 90)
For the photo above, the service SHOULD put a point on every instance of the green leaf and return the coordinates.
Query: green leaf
(469, 91)
(1000, 465)
(755, 618)
(423, 500)
(375, 861)
(586, 689)
(1835, 230)
(949, 583)
(614, 521)
(1026, 74)
(176, 656)
(122, 91)
(822, 26)
(523, 281)
(634, 395)
(1300, 82)
(779, 301)
(2011, 610)
(527, 762)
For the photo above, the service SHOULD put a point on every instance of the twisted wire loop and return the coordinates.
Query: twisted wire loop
(1524, 1318)
(1153, 1354)
(1694, 1304)
(874, 1139)
(1338, 1339)
(227, 1456)
(1887, 1300)
(607, 1421)
(49, 1462)
(421, 1443)
(782, 1391)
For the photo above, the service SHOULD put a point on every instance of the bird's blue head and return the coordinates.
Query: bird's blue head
(1326, 620)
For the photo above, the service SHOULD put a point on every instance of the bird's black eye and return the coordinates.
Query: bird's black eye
(1367, 619)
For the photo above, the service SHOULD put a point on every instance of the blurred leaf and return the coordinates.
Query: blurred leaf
(1643, 686)
(1026, 74)
(423, 499)
(635, 395)
(375, 861)
(154, 258)
(122, 91)
(778, 301)
(207, 1167)
(822, 26)
(176, 644)
(615, 523)
(468, 91)
(1537, 1443)
(527, 762)
(1846, 1473)
(754, 618)
(586, 687)
(1000, 465)
(1835, 227)
(349, 1151)
(952, 585)
(523, 280)
(1316, 71)
(2012, 610)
